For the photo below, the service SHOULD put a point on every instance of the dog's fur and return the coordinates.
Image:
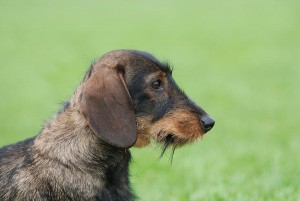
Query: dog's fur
(127, 98)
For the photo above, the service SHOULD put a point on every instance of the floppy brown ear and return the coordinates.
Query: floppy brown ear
(108, 107)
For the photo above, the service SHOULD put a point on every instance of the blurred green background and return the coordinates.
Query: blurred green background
(240, 60)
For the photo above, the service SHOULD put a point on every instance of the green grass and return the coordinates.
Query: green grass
(240, 60)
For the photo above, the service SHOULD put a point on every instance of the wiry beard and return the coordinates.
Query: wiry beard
(168, 143)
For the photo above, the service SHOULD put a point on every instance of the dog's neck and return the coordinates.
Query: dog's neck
(68, 139)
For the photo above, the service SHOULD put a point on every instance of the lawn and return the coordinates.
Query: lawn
(240, 60)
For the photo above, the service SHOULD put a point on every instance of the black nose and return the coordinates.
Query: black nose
(207, 122)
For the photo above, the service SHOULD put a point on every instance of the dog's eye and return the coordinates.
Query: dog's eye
(156, 84)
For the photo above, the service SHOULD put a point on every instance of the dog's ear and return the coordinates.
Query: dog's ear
(108, 107)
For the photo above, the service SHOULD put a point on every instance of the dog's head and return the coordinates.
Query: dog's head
(130, 98)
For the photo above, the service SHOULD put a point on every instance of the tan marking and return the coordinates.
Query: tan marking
(184, 125)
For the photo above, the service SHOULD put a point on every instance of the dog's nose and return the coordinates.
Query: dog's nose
(207, 122)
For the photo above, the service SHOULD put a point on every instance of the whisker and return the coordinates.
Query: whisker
(172, 154)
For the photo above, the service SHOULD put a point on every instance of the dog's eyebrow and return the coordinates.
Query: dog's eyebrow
(165, 66)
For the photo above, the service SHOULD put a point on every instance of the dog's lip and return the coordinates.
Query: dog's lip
(162, 137)
(172, 139)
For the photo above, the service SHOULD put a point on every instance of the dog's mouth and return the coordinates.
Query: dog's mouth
(171, 139)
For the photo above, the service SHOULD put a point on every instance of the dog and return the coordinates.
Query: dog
(127, 98)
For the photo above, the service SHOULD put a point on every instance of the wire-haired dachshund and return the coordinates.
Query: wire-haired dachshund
(127, 98)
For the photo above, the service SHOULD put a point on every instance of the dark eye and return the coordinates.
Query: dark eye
(156, 84)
